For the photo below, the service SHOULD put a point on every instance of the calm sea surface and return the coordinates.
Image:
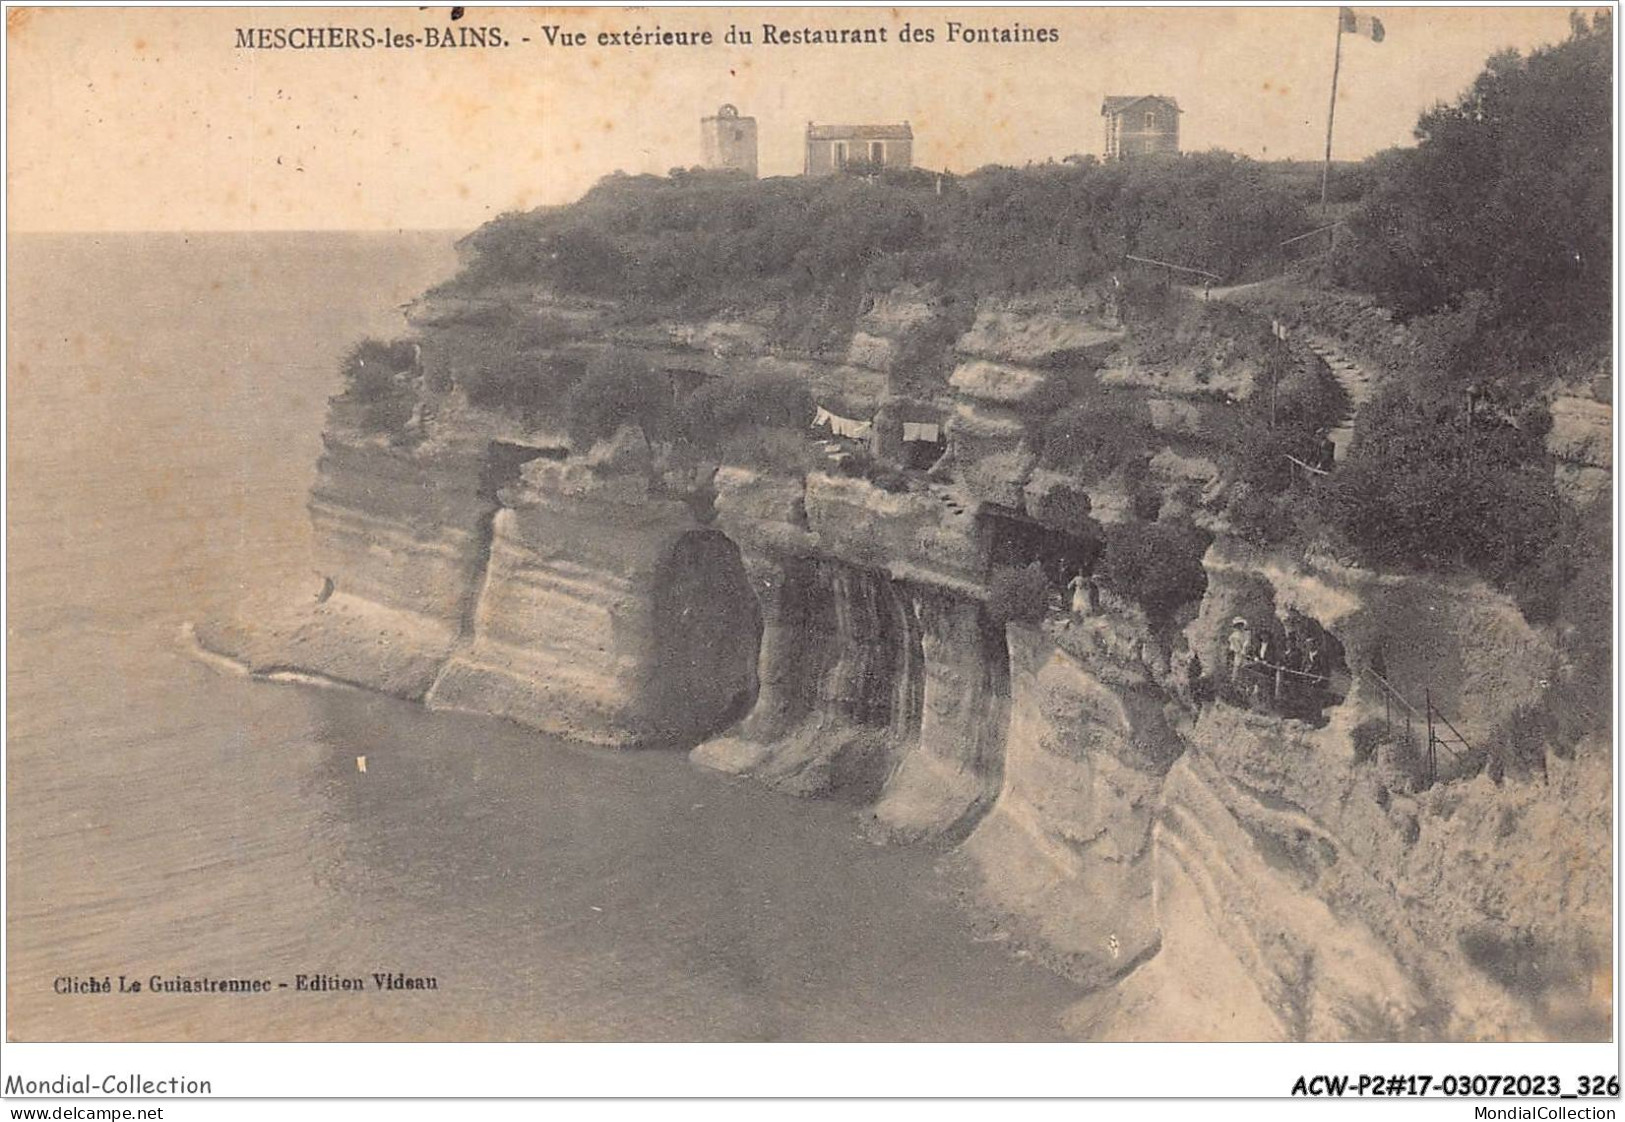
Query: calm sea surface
(165, 401)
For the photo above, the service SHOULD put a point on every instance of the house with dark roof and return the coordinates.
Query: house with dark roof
(833, 148)
(1142, 125)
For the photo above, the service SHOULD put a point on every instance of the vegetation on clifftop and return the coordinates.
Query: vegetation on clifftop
(1490, 243)
(704, 242)
(374, 372)
(1503, 210)
(1496, 233)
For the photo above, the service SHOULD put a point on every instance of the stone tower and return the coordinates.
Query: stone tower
(729, 141)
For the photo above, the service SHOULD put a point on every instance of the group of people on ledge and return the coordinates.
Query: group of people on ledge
(1284, 671)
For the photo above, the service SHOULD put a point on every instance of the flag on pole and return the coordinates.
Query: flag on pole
(1357, 24)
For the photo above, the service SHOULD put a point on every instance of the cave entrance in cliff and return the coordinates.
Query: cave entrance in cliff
(707, 634)
(504, 460)
(1011, 538)
(1281, 662)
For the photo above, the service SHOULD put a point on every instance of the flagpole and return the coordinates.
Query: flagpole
(1331, 113)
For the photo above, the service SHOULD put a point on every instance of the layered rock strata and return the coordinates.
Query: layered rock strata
(607, 615)
(1208, 870)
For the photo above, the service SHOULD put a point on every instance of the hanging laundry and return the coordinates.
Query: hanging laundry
(843, 426)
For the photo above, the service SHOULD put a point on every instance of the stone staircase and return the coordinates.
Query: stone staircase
(1358, 382)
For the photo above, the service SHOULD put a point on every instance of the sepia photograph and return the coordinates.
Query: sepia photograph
(706, 524)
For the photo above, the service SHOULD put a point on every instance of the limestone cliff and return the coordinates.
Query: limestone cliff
(1211, 862)
(606, 614)
(881, 677)
(1066, 849)
(401, 542)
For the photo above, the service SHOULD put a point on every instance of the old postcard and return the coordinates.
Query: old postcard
(827, 524)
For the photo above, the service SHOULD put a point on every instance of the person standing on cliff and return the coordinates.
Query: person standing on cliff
(1240, 645)
(1081, 598)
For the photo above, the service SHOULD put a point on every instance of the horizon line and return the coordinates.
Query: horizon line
(246, 230)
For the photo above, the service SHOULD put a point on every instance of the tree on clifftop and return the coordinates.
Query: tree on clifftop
(1507, 194)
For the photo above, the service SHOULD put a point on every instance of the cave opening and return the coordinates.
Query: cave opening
(1285, 663)
(922, 452)
(504, 461)
(1016, 540)
(707, 634)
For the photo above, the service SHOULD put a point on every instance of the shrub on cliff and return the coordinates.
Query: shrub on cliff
(778, 451)
(1307, 396)
(861, 463)
(370, 368)
(1065, 508)
(376, 376)
(1170, 329)
(1520, 750)
(618, 388)
(1155, 564)
(1571, 588)
(1273, 500)
(1368, 736)
(1586, 612)
(532, 385)
(1144, 495)
(754, 420)
(724, 406)
(1018, 593)
(1090, 440)
(757, 420)
(1424, 490)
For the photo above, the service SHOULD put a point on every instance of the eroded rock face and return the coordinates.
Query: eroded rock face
(989, 453)
(1016, 364)
(1265, 883)
(841, 682)
(405, 531)
(1214, 872)
(950, 774)
(1325, 905)
(874, 690)
(1454, 639)
(914, 536)
(1309, 889)
(1038, 331)
(1249, 950)
(1066, 850)
(608, 615)
(401, 538)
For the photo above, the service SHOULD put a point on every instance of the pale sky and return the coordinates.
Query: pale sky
(155, 119)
